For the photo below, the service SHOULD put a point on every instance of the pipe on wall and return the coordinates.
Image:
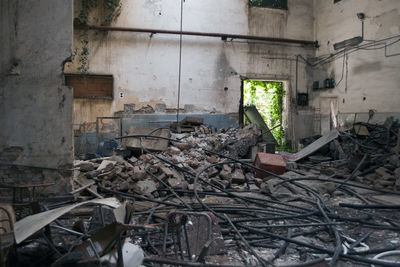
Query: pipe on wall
(223, 36)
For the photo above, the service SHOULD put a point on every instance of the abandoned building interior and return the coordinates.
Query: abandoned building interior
(200, 133)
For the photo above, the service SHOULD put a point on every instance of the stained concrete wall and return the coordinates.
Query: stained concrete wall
(145, 67)
(369, 79)
(35, 106)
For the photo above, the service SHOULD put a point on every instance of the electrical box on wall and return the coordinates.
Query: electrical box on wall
(302, 99)
(329, 83)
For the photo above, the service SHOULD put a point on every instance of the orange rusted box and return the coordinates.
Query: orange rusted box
(270, 162)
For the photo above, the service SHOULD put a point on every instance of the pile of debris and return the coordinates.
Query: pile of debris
(200, 201)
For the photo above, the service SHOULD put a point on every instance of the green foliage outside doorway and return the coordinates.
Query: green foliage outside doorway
(267, 97)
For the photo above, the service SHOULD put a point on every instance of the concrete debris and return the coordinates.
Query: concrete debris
(106, 165)
(190, 204)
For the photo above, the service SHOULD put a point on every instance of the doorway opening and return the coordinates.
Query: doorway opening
(268, 97)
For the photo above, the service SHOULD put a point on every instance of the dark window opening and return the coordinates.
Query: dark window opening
(91, 86)
(281, 4)
(336, 1)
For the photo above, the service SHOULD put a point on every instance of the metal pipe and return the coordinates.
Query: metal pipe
(223, 36)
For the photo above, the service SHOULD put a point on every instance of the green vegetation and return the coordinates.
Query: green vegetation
(109, 10)
(267, 97)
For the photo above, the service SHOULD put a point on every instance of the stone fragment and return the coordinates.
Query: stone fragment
(227, 168)
(253, 187)
(126, 186)
(86, 166)
(218, 146)
(172, 150)
(178, 159)
(249, 131)
(177, 183)
(106, 165)
(145, 158)
(193, 163)
(167, 171)
(212, 159)
(226, 175)
(277, 192)
(146, 186)
(153, 169)
(238, 176)
(258, 181)
(220, 183)
(212, 171)
(92, 174)
(132, 160)
(182, 146)
(198, 187)
(138, 173)
(383, 173)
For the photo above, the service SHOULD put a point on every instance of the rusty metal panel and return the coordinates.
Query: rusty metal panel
(91, 86)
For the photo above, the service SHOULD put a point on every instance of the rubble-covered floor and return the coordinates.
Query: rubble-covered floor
(199, 203)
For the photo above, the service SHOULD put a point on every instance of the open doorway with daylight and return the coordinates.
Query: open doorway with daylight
(263, 104)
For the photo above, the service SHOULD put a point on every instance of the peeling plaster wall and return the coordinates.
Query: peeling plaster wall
(370, 80)
(35, 107)
(145, 67)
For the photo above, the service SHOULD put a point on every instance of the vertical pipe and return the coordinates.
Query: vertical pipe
(241, 104)
(297, 78)
(180, 65)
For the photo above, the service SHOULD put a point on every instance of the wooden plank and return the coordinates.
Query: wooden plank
(255, 117)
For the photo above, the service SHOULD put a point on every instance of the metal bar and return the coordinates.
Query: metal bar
(183, 263)
(359, 206)
(246, 244)
(120, 260)
(361, 239)
(352, 174)
(82, 188)
(180, 66)
(224, 36)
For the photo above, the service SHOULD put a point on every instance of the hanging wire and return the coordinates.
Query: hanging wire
(180, 65)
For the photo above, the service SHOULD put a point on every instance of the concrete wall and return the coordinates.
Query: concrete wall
(35, 107)
(370, 79)
(145, 67)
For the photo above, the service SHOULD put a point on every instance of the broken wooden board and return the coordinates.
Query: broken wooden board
(308, 150)
(253, 116)
(152, 144)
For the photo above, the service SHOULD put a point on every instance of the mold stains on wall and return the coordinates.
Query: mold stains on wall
(367, 67)
(267, 22)
(155, 6)
(223, 71)
(11, 154)
(387, 23)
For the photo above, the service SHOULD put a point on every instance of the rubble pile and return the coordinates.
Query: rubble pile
(147, 174)
(202, 202)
